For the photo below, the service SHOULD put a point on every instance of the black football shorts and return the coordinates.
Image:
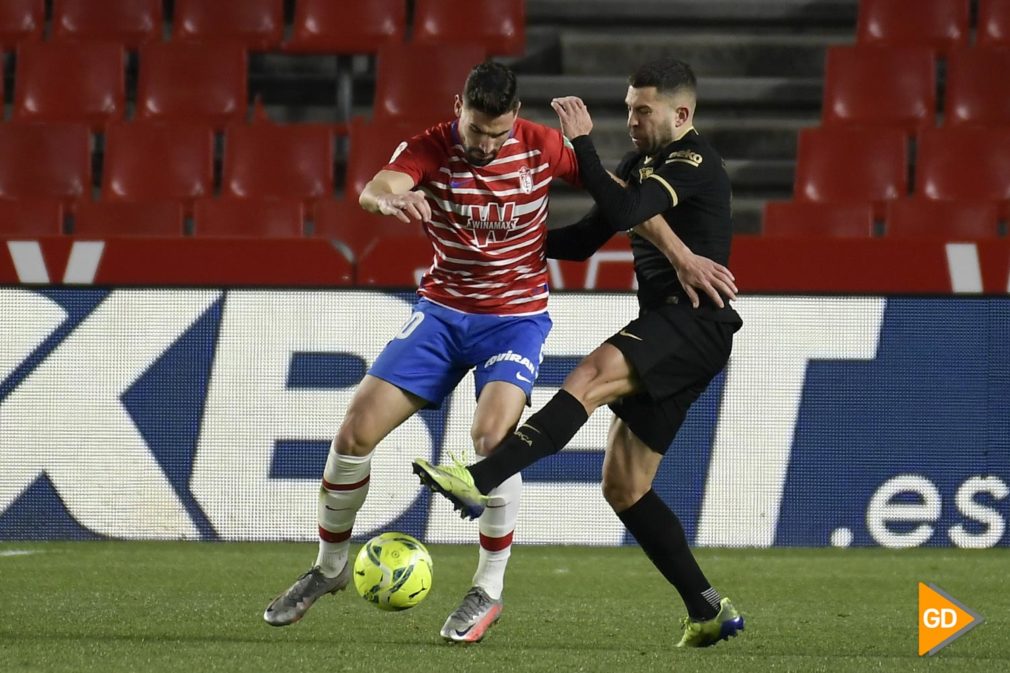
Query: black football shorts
(675, 351)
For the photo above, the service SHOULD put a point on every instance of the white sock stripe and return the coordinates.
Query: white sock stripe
(712, 596)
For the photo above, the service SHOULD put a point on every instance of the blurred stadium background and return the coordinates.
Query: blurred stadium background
(190, 292)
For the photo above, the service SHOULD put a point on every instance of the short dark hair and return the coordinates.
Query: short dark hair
(669, 75)
(491, 88)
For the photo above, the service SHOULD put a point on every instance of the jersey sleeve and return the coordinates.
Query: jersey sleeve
(685, 174)
(418, 157)
(623, 207)
(580, 240)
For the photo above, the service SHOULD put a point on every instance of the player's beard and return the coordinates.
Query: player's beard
(478, 158)
(650, 146)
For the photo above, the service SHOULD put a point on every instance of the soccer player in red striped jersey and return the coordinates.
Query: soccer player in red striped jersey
(478, 184)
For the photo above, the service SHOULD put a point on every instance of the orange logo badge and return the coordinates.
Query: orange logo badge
(942, 619)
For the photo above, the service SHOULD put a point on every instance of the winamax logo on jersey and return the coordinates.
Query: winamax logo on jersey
(207, 414)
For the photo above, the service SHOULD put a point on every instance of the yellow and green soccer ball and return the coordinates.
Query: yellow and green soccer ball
(393, 571)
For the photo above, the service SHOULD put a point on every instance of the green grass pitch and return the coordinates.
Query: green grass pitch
(195, 607)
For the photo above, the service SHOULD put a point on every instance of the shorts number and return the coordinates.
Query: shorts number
(412, 323)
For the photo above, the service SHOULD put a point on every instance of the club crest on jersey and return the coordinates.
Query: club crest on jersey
(525, 180)
(492, 222)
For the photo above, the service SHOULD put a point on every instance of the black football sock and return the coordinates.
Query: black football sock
(662, 538)
(545, 433)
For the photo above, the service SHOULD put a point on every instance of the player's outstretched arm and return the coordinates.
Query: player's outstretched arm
(623, 208)
(579, 241)
(694, 271)
(390, 193)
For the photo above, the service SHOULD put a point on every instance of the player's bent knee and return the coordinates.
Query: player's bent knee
(620, 495)
(484, 443)
(355, 438)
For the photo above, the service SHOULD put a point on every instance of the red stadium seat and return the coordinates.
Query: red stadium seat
(20, 219)
(993, 23)
(976, 90)
(66, 81)
(968, 163)
(45, 162)
(344, 220)
(324, 26)
(192, 81)
(893, 86)
(420, 82)
(131, 22)
(498, 25)
(249, 218)
(371, 146)
(258, 24)
(114, 219)
(20, 20)
(395, 261)
(852, 165)
(267, 160)
(158, 161)
(924, 218)
(940, 24)
(804, 219)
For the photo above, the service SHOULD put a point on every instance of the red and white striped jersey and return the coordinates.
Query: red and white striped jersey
(489, 223)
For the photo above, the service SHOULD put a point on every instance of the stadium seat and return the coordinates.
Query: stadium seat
(893, 86)
(852, 165)
(976, 90)
(343, 220)
(420, 82)
(257, 24)
(925, 218)
(131, 22)
(67, 81)
(114, 219)
(324, 26)
(268, 160)
(20, 20)
(158, 161)
(940, 24)
(498, 25)
(803, 219)
(993, 23)
(45, 162)
(371, 146)
(253, 218)
(197, 81)
(30, 218)
(395, 261)
(969, 163)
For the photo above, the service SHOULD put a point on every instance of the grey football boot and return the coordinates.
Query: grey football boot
(474, 616)
(292, 605)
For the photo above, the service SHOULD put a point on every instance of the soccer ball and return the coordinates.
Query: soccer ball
(393, 571)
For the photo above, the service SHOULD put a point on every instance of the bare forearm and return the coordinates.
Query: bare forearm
(369, 197)
(390, 193)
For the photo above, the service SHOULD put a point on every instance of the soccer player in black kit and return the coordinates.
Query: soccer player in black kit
(675, 194)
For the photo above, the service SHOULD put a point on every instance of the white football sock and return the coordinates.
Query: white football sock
(497, 524)
(345, 485)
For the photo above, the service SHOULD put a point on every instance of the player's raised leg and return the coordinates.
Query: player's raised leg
(377, 408)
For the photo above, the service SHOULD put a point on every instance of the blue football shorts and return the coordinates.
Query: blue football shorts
(438, 346)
